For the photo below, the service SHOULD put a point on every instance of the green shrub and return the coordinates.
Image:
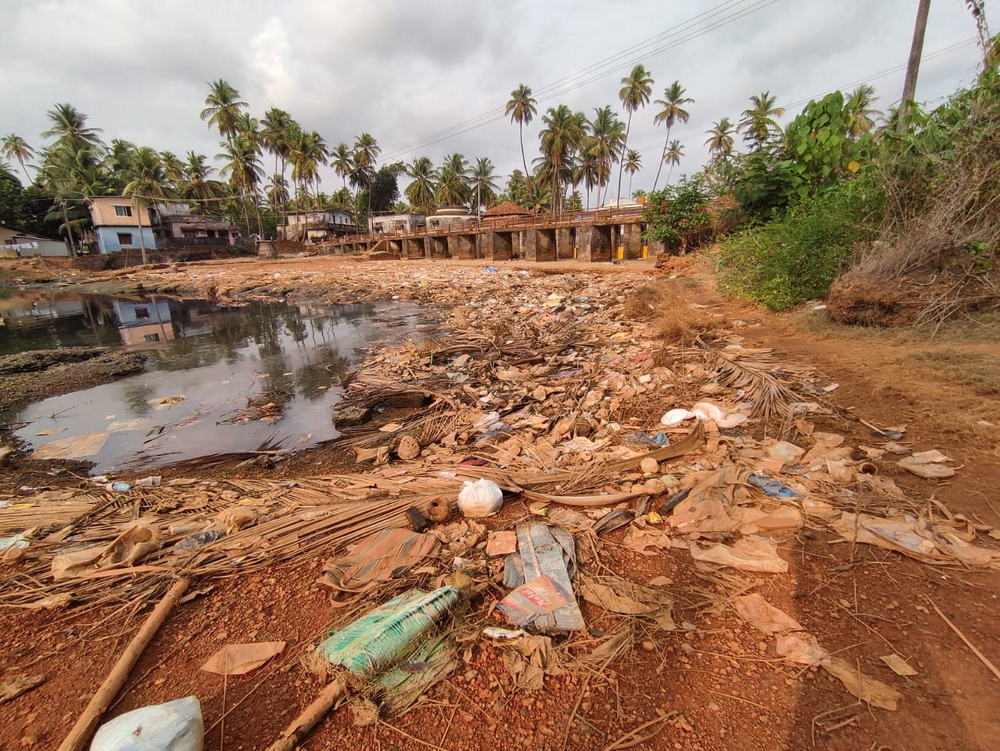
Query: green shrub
(798, 255)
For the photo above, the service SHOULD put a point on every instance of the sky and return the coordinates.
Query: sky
(431, 77)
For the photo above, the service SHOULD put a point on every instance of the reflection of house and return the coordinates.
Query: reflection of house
(143, 322)
(176, 227)
(318, 226)
(116, 224)
(397, 223)
(450, 215)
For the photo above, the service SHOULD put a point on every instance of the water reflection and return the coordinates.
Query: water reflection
(206, 362)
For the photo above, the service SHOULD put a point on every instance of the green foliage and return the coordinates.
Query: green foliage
(385, 187)
(797, 256)
(678, 215)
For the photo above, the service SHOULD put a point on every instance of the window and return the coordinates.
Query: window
(124, 238)
(123, 210)
(151, 337)
(141, 312)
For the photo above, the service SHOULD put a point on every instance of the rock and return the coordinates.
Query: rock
(649, 465)
(408, 448)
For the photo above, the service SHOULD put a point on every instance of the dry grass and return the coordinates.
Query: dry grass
(672, 319)
(975, 369)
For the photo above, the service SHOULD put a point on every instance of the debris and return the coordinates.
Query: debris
(240, 659)
(408, 448)
(624, 597)
(537, 597)
(746, 554)
(613, 520)
(76, 447)
(135, 542)
(502, 634)
(199, 539)
(763, 616)
(417, 519)
(480, 498)
(773, 488)
(501, 543)
(898, 665)
(174, 726)
(548, 551)
(529, 659)
(109, 689)
(118, 486)
(439, 510)
(13, 687)
(384, 556)
(649, 465)
(927, 464)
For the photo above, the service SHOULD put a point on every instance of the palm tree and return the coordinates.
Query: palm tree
(484, 181)
(521, 108)
(341, 161)
(223, 107)
(562, 135)
(307, 151)
(635, 91)
(242, 163)
(69, 126)
(15, 147)
(274, 129)
(720, 139)
(197, 184)
(420, 192)
(173, 168)
(277, 192)
(672, 112)
(672, 156)
(758, 122)
(453, 181)
(364, 156)
(148, 182)
(604, 145)
(633, 163)
(860, 114)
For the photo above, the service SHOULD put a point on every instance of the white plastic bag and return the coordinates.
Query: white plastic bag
(174, 726)
(480, 498)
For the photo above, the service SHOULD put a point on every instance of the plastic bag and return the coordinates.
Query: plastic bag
(480, 498)
(174, 726)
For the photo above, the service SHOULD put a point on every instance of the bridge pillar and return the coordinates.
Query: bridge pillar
(594, 243)
(497, 246)
(413, 247)
(461, 246)
(437, 246)
(540, 245)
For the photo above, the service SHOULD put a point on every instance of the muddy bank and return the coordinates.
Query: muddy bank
(29, 376)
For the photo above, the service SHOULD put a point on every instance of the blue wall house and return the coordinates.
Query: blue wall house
(116, 226)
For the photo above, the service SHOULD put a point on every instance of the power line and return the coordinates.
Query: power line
(656, 45)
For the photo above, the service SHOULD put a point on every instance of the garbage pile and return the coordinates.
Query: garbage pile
(493, 462)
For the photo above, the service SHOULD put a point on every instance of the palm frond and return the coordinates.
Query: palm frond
(768, 397)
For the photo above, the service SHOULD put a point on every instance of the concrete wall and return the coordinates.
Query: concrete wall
(108, 242)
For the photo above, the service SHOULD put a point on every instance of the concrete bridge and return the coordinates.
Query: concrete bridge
(589, 236)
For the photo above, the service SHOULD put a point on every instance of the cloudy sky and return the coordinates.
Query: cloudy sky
(432, 77)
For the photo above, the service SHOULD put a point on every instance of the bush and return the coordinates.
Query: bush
(797, 256)
(678, 216)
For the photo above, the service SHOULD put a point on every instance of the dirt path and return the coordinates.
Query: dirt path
(719, 686)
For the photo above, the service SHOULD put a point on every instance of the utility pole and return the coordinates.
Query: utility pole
(913, 65)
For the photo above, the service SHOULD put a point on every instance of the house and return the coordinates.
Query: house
(318, 226)
(116, 224)
(505, 213)
(397, 223)
(144, 322)
(448, 216)
(15, 244)
(176, 227)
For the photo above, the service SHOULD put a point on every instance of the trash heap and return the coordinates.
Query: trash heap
(493, 460)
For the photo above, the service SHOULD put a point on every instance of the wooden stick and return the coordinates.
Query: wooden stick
(969, 644)
(99, 704)
(311, 715)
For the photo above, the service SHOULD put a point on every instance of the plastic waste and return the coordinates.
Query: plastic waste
(148, 482)
(773, 488)
(118, 486)
(199, 539)
(174, 726)
(13, 543)
(480, 498)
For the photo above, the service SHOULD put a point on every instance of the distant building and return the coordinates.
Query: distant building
(447, 216)
(176, 227)
(15, 244)
(318, 226)
(504, 213)
(116, 224)
(389, 224)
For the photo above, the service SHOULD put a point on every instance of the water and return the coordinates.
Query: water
(205, 360)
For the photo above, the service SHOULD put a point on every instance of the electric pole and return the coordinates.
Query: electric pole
(913, 65)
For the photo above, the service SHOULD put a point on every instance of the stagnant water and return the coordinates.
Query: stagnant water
(204, 361)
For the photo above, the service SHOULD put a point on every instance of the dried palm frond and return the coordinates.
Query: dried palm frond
(767, 396)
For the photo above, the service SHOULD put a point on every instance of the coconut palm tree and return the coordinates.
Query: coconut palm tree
(561, 137)
(758, 122)
(604, 145)
(307, 151)
(69, 127)
(483, 183)
(720, 139)
(364, 157)
(276, 192)
(633, 163)
(173, 168)
(672, 156)
(340, 160)
(860, 114)
(420, 191)
(147, 182)
(16, 148)
(672, 111)
(522, 108)
(242, 162)
(223, 107)
(274, 129)
(635, 91)
(197, 184)
(453, 181)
